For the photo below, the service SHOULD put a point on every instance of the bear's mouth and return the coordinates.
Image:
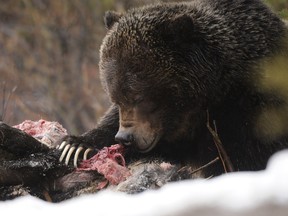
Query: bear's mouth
(150, 146)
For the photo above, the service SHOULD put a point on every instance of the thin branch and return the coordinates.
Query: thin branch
(5, 100)
(209, 177)
(204, 166)
(226, 162)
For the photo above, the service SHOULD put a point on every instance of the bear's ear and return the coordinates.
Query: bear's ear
(110, 18)
(180, 29)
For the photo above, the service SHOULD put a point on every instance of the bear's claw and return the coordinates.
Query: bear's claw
(68, 150)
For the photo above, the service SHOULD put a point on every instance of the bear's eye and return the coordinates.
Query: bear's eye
(138, 99)
(148, 106)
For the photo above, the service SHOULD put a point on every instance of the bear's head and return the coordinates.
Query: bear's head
(154, 66)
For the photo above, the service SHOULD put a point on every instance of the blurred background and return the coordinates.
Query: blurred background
(49, 53)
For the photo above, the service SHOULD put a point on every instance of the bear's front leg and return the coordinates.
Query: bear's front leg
(91, 141)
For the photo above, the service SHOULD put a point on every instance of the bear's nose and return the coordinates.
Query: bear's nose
(124, 138)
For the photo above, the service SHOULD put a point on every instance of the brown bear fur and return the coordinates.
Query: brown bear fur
(165, 65)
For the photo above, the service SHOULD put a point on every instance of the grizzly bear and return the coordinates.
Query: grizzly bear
(166, 67)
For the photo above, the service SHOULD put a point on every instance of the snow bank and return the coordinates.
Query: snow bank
(246, 193)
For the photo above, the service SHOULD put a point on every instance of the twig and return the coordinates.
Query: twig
(211, 176)
(227, 165)
(204, 166)
(5, 100)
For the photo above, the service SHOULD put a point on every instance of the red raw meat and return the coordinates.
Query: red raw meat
(45, 131)
(109, 162)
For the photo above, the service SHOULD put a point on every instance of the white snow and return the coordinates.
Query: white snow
(243, 193)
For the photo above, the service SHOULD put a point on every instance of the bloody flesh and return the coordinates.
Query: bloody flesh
(109, 162)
